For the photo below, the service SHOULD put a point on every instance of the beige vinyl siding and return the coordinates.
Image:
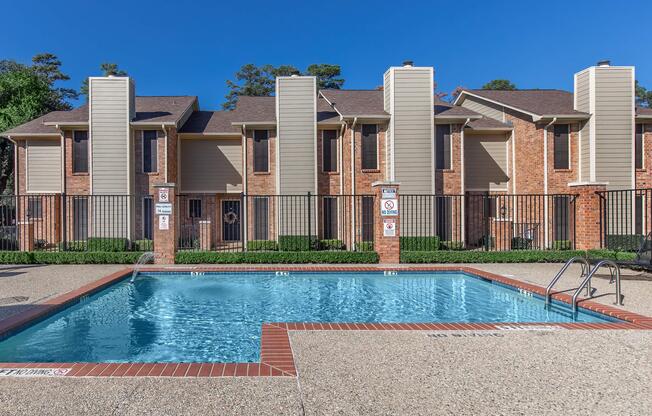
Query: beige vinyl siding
(614, 95)
(387, 88)
(413, 129)
(485, 166)
(110, 135)
(583, 103)
(483, 107)
(211, 165)
(44, 166)
(296, 134)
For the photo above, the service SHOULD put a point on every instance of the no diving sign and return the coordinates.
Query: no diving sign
(388, 207)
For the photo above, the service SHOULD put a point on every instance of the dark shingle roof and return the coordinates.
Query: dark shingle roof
(454, 112)
(164, 109)
(357, 102)
(540, 102)
(643, 111)
(210, 122)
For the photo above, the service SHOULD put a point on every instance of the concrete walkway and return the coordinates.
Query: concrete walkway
(378, 373)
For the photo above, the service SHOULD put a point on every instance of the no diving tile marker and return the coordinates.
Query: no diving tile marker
(33, 372)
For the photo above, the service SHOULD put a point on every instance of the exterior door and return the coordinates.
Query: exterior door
(231, 220)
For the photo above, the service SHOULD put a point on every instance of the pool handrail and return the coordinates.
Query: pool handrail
(586, 267)
(613, 267)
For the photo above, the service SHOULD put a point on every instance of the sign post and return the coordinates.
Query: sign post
(387, 222)
(165, 228)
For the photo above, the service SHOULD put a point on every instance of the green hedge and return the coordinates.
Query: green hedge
(331, 244)
(107, 244)
(521, 243)
(452, 245)
(364, 246)
(143, 245)
(517, 256)
(624, 242)
(297, 243)
(67, 257)
(562, 245)
(419, 243)
(204, 257)
(262, 245)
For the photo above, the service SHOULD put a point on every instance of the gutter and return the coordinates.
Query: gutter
(15, 164)
(545, 177)
(462, 182)
(355, 121)
(245, 179)
(165, 133)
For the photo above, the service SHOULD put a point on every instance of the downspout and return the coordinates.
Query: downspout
(165, 138)
(355, 121)
(463, 185)
(545, 178)
(15, 164)
(245, 208)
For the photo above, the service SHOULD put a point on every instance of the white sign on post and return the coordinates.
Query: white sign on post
(389, 227)
(388, 193)
(163, 209)
(163, 222)
(388, 207)
(163, 195)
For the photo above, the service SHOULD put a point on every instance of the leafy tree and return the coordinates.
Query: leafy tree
(260, 81)
(48, 67)
(326, 75)
(107, 69)
(499, 84)
(643, 96)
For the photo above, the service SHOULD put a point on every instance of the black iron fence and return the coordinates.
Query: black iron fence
(60, 222)
(275, 222)
(625, 218)
(480, 221)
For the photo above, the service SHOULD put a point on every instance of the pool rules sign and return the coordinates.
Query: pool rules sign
(389, 208)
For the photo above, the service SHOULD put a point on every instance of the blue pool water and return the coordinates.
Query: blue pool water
(217, 317)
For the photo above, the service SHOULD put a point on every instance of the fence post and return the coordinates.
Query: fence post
(309, 221)
(387, 222)
(165, 223)
(587, 217)
(64, 222)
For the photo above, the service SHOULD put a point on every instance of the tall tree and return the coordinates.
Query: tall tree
(260, 81)
(107, 69)
(643, 96)
(48, 66)
(327, 75)
(499, 84)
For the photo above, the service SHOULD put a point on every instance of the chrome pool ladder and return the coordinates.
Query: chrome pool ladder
(614, 269)
(586, 268)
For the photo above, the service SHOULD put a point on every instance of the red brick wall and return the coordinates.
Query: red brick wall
(328, 183)
(449, 181)
(363, 178)
(261, 183)
(76, 183)
(644, 176)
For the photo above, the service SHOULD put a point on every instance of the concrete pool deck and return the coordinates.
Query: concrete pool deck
(369, 372)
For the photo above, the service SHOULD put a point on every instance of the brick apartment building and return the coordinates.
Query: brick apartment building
(336, 143)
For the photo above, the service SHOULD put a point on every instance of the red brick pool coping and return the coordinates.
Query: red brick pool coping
(276, 358)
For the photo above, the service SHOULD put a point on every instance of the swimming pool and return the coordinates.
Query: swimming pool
(217, 316)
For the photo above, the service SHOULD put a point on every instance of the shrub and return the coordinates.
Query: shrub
(262, 245)
(75, 245)
(452, 245)
(519, 256)
(364, 246)
(521, 243)
(8, 244)
(297, 243)
(142, 245)
(57, 257)
(611, 255)
(277, 257)
(108, 244)
(562, 245)
(419, 243)
(624, 242)
(331, 245)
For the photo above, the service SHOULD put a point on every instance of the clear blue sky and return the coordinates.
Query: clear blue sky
(193, 47)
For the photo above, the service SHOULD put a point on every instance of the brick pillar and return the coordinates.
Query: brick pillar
(165, 229)
(587, 214)
(26, 235)
(205, 236)
(386, 245)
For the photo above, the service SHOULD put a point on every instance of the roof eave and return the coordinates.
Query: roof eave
(9, 134)
(535, 117)
(253, 123)
(565, 117)
(204, 134)
(65, 123)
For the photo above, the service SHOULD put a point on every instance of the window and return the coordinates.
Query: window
(638, 147)
(34, 207)
(148, 228)
(443, 146)
(561, 220)
(369, 146)
(561, 146)
(444, 216)
(194, 208)
(367, 218)
(150, 153)
(80, 218)
(329, 150)
(330, 218)
(261, 151)
(261, 218)
(80, 151)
